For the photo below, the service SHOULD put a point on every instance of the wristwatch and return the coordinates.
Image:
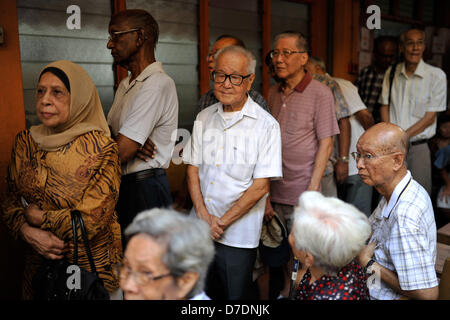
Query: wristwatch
(367, 267)
(344, 159)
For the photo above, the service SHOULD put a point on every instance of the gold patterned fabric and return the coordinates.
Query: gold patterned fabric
(83, 175)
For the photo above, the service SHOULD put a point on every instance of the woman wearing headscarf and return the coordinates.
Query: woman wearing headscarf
(69, 162)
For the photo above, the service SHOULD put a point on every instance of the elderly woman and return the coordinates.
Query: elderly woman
(69, 162)
(326, 236)
(167, 257)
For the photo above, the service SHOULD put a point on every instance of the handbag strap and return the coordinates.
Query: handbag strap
(391, 80)
(77, 214)
(75, 238)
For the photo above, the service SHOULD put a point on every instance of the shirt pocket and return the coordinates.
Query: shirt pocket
(419, 103)
(299, 121)
(240, 162)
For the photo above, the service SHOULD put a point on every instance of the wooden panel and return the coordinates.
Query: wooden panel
(266, 47)
(443, 234)
(13, 116)
(443, 252)
(204, 45)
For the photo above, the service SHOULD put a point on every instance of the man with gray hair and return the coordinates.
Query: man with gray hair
(411, 100)
(167, 257)
(234, 150)
(305, 110)
(402, 248)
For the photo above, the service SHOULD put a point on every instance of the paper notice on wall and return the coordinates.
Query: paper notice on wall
(365, 59)
(365, 39)
(436, 60)
(439, 43)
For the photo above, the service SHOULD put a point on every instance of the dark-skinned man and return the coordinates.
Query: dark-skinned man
(145, 106)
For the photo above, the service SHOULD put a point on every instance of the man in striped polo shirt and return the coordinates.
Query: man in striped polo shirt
(418, 92)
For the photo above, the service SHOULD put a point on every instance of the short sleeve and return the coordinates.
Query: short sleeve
(269, 163)
(411, 256)
(438, 92)
(148, 106)
(325, 121)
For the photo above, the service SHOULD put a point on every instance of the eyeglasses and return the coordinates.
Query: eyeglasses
(141, 278)
(115, 35)
(235, 79)
(368, 156)
(284, 53)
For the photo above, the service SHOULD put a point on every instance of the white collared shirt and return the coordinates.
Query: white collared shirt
(146, 107)
(411, 97)
(355, 104)
(404, 231)
(230, 155)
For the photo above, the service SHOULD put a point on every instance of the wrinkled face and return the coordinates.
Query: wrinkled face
(227, 93)
(144, 255)
(378, 170)
(414, 46)
(222, 43)
(52, 101)
(288, 67)
(122, 46)
(385, 54)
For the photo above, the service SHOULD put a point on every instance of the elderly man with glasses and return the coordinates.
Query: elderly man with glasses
(234, 150)
(402, 248)
(306, 113)
(145, 107)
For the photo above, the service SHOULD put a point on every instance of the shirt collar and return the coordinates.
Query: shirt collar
(301, 86)
(248, 110)
(147, 72)
(396, 194)
(420, 69)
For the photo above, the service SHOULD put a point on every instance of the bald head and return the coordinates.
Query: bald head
(387, 138)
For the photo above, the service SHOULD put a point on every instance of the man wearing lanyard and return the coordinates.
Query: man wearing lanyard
(402, 248)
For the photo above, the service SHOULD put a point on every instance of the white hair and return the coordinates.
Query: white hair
(251, 60)
(333, 231)
(189, 247)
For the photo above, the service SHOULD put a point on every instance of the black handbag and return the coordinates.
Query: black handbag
(61, 280)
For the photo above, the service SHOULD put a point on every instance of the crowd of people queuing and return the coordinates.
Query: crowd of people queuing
(327, 179)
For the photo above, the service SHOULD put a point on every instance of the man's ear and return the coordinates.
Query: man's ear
(250, 81)
(399, 160)
(185, 283)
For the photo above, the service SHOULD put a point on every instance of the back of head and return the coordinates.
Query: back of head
(237, 42)
(137, 18)
(251, 61)
(302, 42)
(318, 62)
(189, 247)
(333, 231)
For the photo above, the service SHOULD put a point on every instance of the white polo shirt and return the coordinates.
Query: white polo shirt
(355, 104)
(229, 155)
(146, 107)
(411, 97)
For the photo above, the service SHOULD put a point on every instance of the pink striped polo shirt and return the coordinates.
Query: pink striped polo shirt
(306, 115)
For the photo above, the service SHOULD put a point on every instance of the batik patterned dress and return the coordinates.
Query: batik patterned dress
(83, 175)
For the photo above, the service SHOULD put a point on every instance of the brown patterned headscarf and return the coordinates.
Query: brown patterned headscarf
(86, 112)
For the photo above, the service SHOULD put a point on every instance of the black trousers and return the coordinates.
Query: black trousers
(137, 195)
(230, 274)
